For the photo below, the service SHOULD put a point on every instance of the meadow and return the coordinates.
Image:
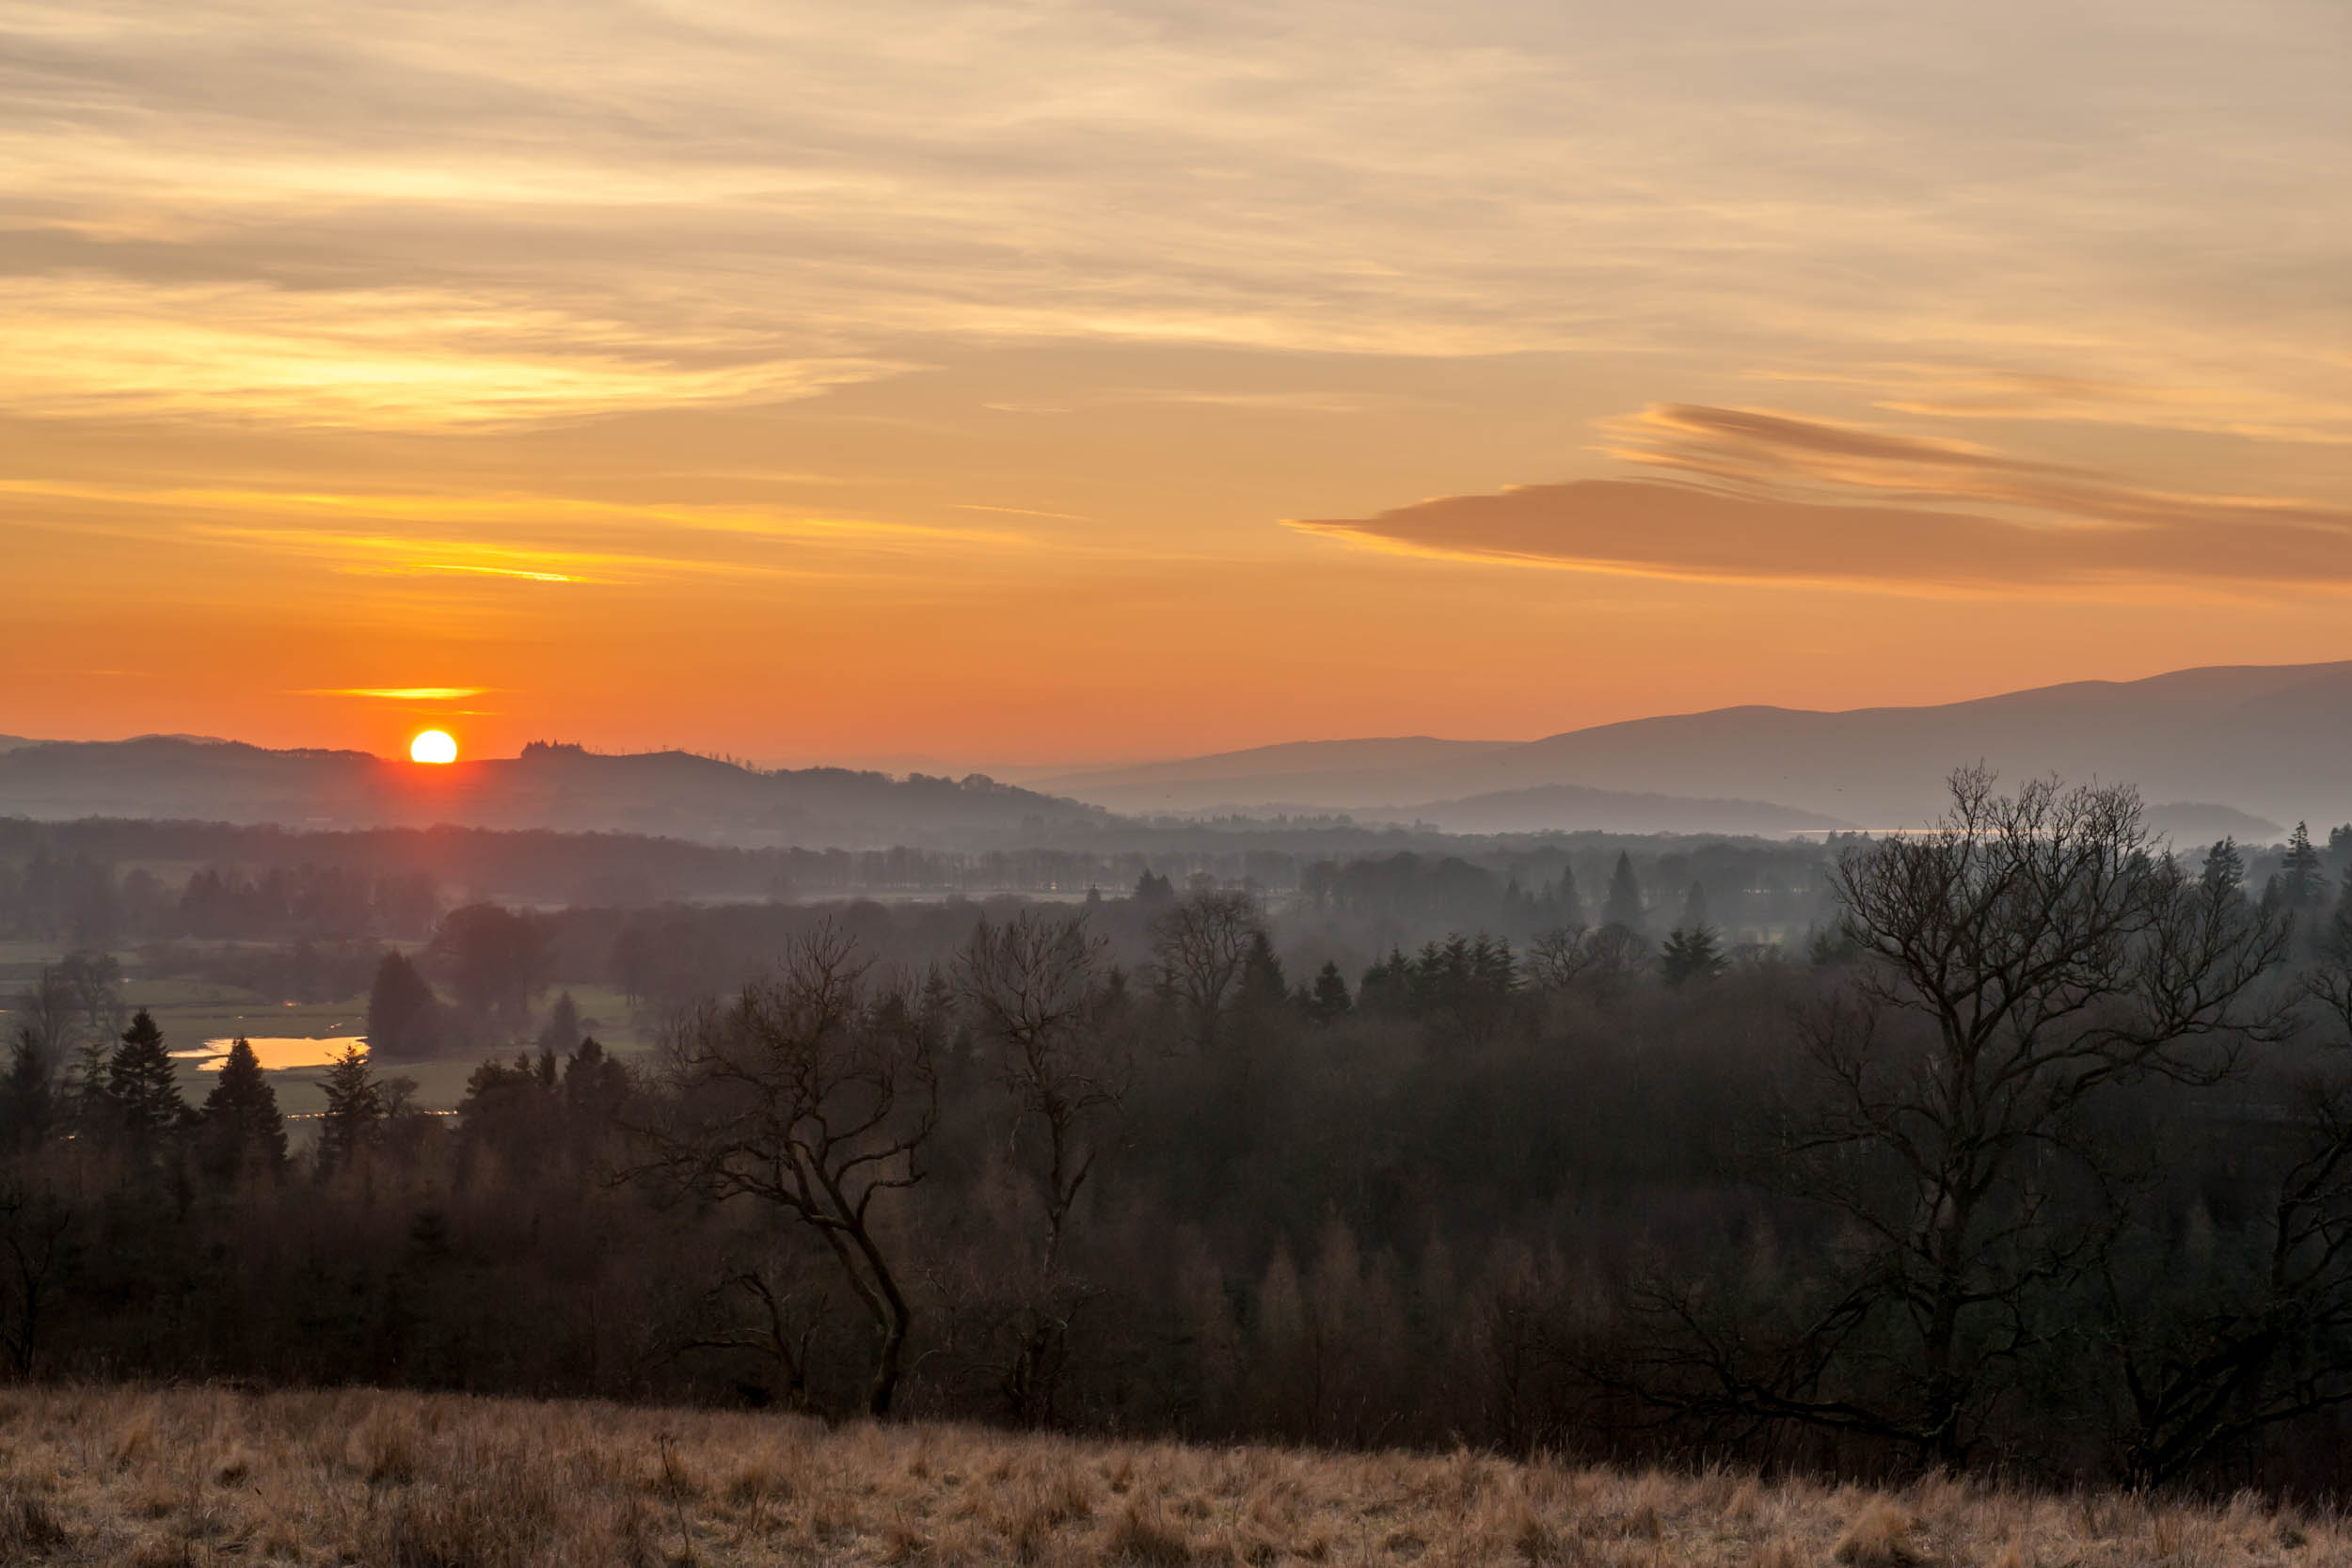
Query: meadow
(151, 1478)
(193, 1011)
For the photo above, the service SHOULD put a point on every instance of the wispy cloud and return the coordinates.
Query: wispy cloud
(1783, 452)
(387, 357)
(523, 538)
(1772, 497)
(639, 218)
(398, 693)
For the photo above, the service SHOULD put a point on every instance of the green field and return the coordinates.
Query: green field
(192, 1012)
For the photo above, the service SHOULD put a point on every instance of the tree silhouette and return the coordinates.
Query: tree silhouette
(355, 1110)
(1329, 999)
(799, 1095)
(2299, 870)
(400, 1010)
(1691, 953)
(1263, 987)
(2016, 964)
(241, 1127)
(142, 1085)
(1623, 909)
(1201, 945)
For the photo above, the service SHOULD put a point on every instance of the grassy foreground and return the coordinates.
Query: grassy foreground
(403, 1481)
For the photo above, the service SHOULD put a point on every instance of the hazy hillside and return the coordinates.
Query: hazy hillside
(1260, 773)
(1572, 808)
(355, 1475)
(559, 787)
(2274, 742)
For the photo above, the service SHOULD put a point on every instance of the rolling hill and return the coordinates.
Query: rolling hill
(674, 794)
(2274, 742)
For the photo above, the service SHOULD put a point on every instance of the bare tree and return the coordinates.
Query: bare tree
(95, 982)
(783, 1321)
(797, 1094)
(52, 1009)
(1037, 988)
(2024, 956)
(1560, 959)
(1200, 946)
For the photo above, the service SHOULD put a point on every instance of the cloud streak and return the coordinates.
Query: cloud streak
(1774, 452)
(398, 693)
(1764, 497)
(1357, 178)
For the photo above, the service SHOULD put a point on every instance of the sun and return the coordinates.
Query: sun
(433, 746)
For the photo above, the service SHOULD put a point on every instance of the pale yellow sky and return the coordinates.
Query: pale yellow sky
(986, 383)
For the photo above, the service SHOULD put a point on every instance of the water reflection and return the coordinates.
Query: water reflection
(275, 1051)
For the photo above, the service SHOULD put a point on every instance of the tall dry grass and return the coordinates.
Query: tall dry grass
(405, 1481)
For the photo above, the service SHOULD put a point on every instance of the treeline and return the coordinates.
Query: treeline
(86, 902)
(103, 882)
(2038, 1158)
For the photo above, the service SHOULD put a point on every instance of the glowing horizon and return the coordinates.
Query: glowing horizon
(1065, 385)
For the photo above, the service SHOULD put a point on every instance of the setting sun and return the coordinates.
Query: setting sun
(435, 746)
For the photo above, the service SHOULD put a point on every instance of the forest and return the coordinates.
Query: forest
(2022, 1145)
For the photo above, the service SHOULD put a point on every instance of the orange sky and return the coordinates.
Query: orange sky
(964, 385)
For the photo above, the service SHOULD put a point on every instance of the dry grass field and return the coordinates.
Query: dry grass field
(399, 1481)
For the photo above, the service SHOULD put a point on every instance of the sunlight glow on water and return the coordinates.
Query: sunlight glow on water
(274, 1051)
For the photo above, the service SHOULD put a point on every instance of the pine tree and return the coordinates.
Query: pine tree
(355, 1110)
(1624, 907)
(1329, 999)
(242, 1128)
(594, 1082)
(561, 1034)
(1383, 986)
(2299, 870)
(141, 1083)
(2224, 866)
(1263, 985)
(1567, 905)
(1691, 953)
(400, 1010)
(1694, 910)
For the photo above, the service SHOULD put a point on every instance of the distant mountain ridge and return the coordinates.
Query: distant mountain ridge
(556, 786)
(2234, 749)
(2272, 741)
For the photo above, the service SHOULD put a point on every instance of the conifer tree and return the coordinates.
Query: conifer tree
(2224, 866)
(1624, 908)
(354, 1109)
(1567, 905)
(142, 1085)
(1691, 953)
(1329, 997)
(1694, 910)
(399, 1009)
(560, 1035)
(242, 1128)
(2299, 870)
(1263, 985)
